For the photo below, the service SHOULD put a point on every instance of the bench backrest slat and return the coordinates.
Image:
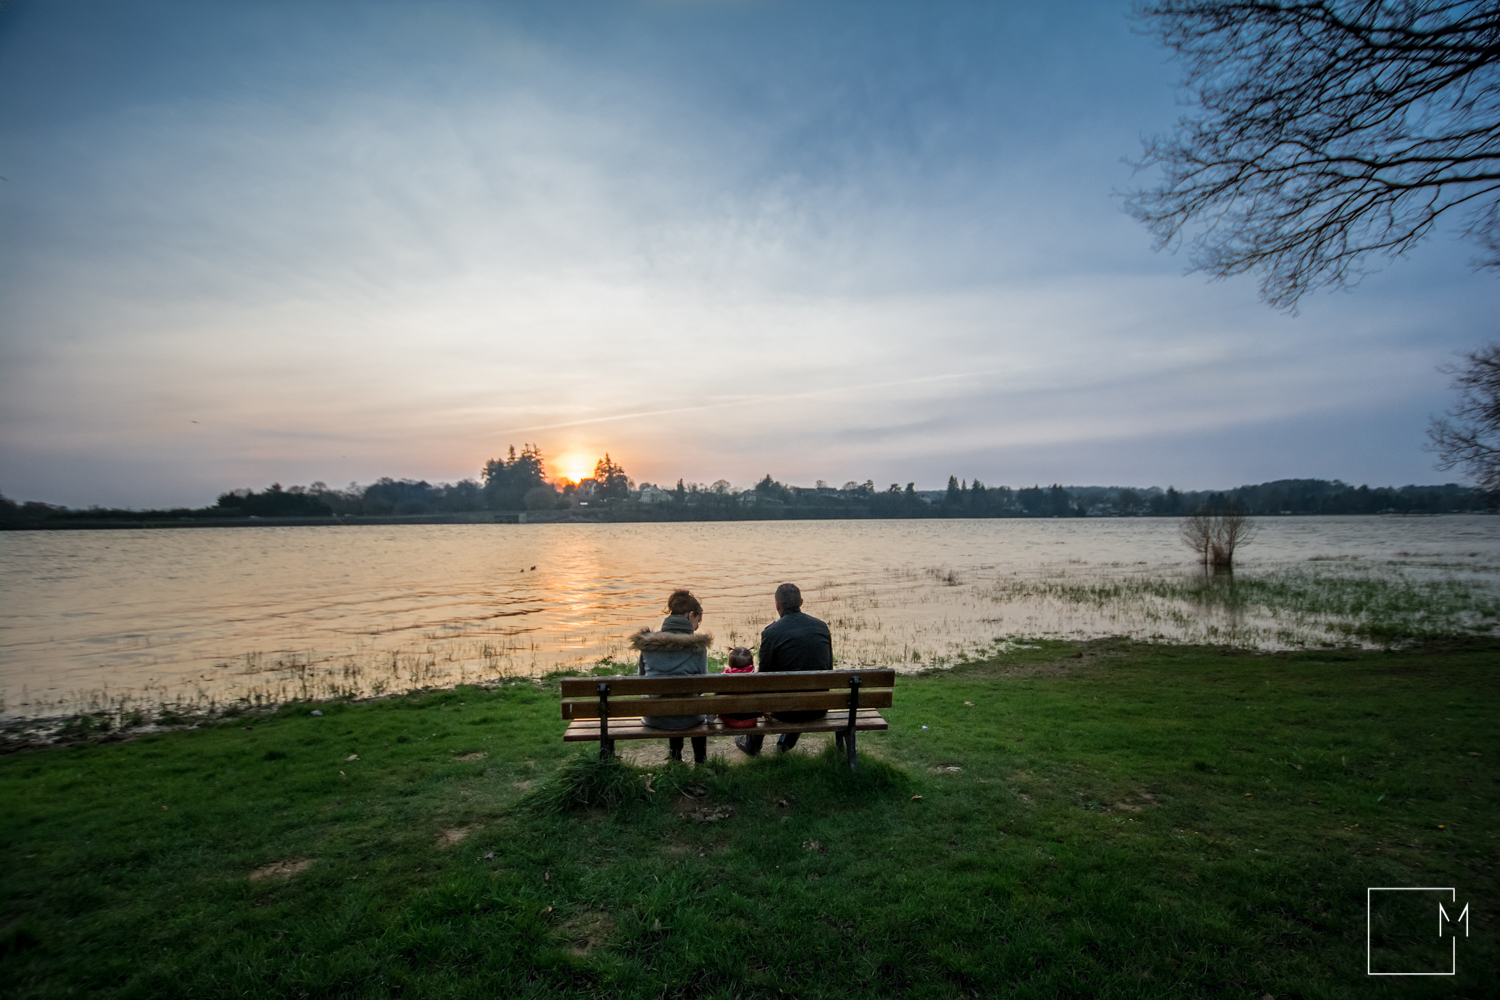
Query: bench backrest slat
(726, 693)
(803, 680)
(752, 704)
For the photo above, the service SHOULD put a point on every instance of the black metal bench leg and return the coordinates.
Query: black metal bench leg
(606, 745)
(849, 735)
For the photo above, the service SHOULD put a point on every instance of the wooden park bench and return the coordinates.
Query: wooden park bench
(606, 709)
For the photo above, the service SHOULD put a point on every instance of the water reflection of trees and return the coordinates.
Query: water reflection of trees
(1215, 592)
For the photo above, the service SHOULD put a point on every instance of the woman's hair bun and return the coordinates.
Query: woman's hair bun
(682, 602)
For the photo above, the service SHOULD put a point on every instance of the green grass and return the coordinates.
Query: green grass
(1105, 819)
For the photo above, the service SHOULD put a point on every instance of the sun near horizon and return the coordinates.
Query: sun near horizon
(573, 465)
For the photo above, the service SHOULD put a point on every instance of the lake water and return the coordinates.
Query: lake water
(114, 619)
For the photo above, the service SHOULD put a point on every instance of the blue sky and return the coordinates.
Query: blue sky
(332, 241)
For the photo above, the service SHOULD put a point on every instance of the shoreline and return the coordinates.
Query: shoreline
(605, 516)
(103, 727)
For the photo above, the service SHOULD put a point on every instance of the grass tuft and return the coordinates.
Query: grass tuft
(584, 781)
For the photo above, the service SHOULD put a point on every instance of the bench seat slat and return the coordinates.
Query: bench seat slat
(718, 704)
(587, 730)
(577, 688)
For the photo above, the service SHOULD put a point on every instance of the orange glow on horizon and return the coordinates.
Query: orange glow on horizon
(574, 465)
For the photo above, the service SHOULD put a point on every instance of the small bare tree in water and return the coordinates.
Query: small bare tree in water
(1215, 534)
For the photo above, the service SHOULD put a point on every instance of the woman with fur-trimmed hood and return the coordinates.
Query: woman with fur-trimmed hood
(678, 650)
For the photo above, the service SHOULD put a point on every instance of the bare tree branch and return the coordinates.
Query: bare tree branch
(1331, 131)
(1469, 436)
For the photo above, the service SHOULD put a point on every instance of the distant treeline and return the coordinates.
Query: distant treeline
(1288, 496)
(975, 499)
(519, 482)
(507, 484)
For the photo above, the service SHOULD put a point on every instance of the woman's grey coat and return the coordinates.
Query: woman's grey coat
(675, 651)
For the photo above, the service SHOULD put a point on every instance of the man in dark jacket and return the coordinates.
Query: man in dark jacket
(794, 641)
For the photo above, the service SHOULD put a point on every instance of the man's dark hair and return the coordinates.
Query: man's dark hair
(788, 597)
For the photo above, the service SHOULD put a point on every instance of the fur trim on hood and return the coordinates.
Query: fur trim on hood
(648, 641)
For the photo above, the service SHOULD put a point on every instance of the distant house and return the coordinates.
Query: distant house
(585, 488)
(654, 494)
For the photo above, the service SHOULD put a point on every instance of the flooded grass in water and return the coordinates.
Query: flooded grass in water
(1281, 609)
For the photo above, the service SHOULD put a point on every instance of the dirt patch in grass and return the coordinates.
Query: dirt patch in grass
(588, 931)
(452, 835)
(1138, 802)
(677, 848)
(281, 869)
(701, 811)
(466, 758)
(642, 753)
(652, 754)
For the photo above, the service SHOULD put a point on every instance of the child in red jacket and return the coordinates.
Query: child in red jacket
(741, 661)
